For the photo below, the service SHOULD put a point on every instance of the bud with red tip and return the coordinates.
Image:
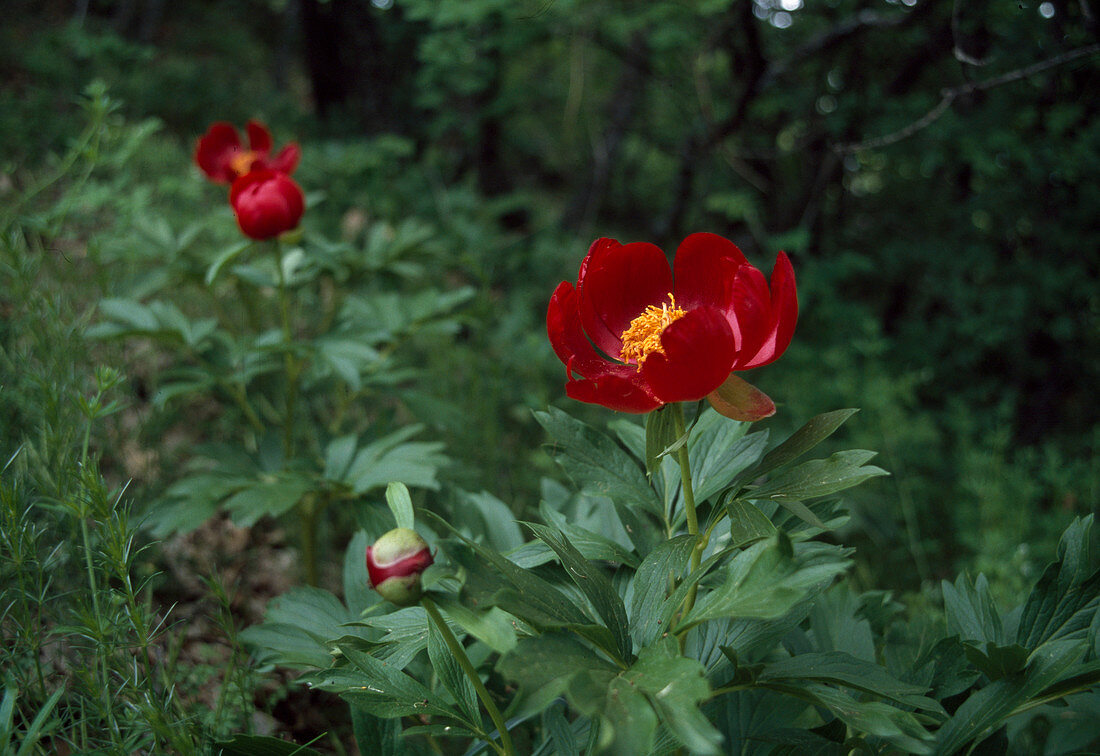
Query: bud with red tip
(395, 563)
(267, 203)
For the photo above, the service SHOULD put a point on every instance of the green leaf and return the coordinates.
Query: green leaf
(764, 582)
(592, 582)
(819, 477)
(900, 728)
(260, 745)
(676, 686)
(838, 668)
(660, 435)
(338, 456)
(559, 732)
(628, 722)
(801, 441)
(1066, 600)
(496, 520)
(651, 586)
(597, 463)
(389, 460)
(971, 613)
(297, 627)
(400, 503)
(381, 689)
(227, 256)
(450, 673)
(996, 661)
(269, 497)
(720, 452)
(747, 523)
(986, 710)
(376, 736)
(357, 591)
(492, 580)
(591, 545)
(493, 627)
(551, 660)
(130, 313)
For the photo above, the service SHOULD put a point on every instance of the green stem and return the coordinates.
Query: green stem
(309, 510)
(292, 367)
(459, 654)
(689, 503)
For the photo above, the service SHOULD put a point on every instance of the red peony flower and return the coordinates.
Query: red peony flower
(223, 159)
(267, 203)
(640, 335)
(395, 563)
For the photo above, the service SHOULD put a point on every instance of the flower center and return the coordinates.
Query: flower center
(643, 336)
(242, 162)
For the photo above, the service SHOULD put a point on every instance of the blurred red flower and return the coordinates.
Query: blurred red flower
(267, 203)
(640, 335)
(222, 157)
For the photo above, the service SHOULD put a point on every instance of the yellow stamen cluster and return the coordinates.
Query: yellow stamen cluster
(643, 336)
(241, 163)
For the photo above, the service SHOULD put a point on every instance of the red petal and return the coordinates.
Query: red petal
(259, 138)
(705, 269)
(616, 284)
(622, 393)
(783, 307)
(752, 307)
(287, 159)
(563, 326)
(215, 149)
(738, 399)
(699, 350)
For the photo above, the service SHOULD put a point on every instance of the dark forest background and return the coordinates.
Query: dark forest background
(931, 167)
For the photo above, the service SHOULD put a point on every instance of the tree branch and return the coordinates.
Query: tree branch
(948, 96)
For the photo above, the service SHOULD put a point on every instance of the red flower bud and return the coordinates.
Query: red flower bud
(267, 203)
(395, 563)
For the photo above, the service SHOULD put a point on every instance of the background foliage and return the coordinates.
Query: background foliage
(947, 274)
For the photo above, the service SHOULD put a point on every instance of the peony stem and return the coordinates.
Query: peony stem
(459, 654)
(689, 502)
